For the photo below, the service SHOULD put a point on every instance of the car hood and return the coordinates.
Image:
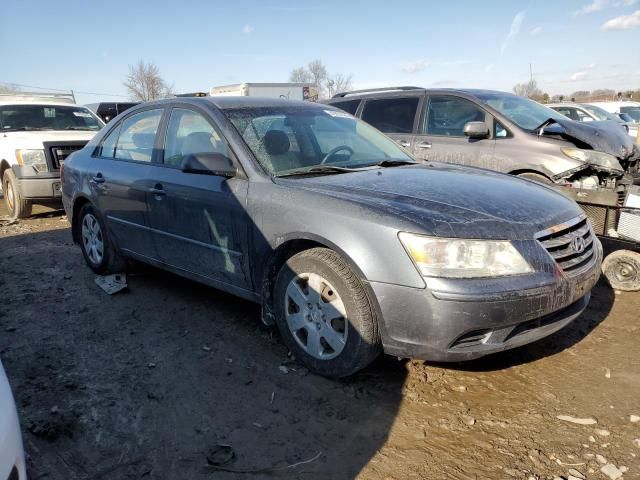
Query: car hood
(448, 200)
(34, 139)
(608, 137)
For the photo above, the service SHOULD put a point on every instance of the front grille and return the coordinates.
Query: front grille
(571, 245)
(60, 153)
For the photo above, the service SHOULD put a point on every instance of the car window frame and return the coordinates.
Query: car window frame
(403, 95)
(164, 129)
(118, 126)
(490, 120)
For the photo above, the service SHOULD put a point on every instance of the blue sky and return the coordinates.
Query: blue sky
(87, 46)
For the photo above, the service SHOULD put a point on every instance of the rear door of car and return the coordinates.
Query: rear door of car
(199, 221)
(440, 134)
(119, 179)
(396, 115)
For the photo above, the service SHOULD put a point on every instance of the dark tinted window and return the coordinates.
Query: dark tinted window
(391, 115)
(350, 106)
(47, 117)
(447, 116)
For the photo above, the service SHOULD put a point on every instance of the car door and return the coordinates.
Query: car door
(441, 135)
(199, 222)
(119, 179)
(396, 116)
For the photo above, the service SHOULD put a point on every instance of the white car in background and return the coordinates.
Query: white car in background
(630, 108)
(586, 112)
(12, 465)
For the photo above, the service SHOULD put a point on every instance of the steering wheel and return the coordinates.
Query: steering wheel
(333, 151)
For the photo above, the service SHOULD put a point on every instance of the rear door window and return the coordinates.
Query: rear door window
(350, 106)
(138, 135)
(391, 115)
(447, 115)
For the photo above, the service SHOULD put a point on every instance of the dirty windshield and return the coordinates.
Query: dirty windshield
(525, 113)
(47, 117)
(288, 140)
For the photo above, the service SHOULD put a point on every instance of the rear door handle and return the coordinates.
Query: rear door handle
(423, 145)
(158, 191)
(98, 178)
(404, 143)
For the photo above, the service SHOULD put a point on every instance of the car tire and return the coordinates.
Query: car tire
(18, 207)
(324, 314)
(98, 250)
(536, 177)
(622, 270)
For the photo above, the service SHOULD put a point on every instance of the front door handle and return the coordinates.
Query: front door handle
(404, 143)
(423, 145)
(97, 178)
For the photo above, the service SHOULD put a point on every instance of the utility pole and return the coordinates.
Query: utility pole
(530, 73)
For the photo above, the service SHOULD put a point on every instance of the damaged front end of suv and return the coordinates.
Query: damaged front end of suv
(607, 157)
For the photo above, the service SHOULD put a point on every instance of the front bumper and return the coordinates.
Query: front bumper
(433, 324)
(43, 186)
(11, 452)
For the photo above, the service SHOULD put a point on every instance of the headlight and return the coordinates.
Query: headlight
(591, 156)
(32, 158)
(458, 258)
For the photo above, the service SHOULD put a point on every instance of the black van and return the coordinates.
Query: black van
(108, 110)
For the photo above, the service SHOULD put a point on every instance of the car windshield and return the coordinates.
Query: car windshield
(633, 112)
(599, 113)
(525, 113)
(288, 139)
(626, 117)
(47, 117)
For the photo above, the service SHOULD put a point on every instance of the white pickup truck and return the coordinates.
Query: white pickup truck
(38, 132)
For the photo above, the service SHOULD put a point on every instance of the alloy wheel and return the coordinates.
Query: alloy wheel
(92, 239)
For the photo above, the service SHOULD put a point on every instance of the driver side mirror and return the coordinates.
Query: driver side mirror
(209, 164)
(476, 130)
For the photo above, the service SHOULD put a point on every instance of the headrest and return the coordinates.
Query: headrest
(276, 142)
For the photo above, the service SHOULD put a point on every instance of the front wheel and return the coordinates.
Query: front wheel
(324, 314)
(99, 252)
(18, 207)
(622, 270)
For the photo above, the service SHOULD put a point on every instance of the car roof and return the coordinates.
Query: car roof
(224, 103)
(403, 91)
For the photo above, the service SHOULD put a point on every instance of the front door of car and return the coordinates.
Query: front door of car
(199, 221)
(441, 132)
(395, 116)
(119, 179)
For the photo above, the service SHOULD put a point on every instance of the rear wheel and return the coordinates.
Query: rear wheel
(536, 177)
(622, 270)
(99, 252)
(324, 314)
(18, 207)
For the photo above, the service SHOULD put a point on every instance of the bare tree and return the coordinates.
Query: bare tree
(300, 75)
(318, 73)
(339, 82)
(144, 82)
(8, 88)
(529, 89)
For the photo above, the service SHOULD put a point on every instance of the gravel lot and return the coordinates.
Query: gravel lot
(149, 382)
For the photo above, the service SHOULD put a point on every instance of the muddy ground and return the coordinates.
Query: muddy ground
(146, 383)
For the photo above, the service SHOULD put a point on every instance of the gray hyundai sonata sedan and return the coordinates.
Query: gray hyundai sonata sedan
(350, 246)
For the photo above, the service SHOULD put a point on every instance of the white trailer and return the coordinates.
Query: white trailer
(292, 91)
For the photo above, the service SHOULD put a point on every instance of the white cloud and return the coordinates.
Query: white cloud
(535, 31)
(247, 29)
(591, 66)
(628, 3)
(623, 22)
(415, 66)
(489, 67)
(516, 23)
(578, 76)
(594, 6)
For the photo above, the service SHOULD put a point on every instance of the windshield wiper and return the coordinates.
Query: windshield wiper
(319, 169)
(23, 129)
(393, 162)
(540, 128)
